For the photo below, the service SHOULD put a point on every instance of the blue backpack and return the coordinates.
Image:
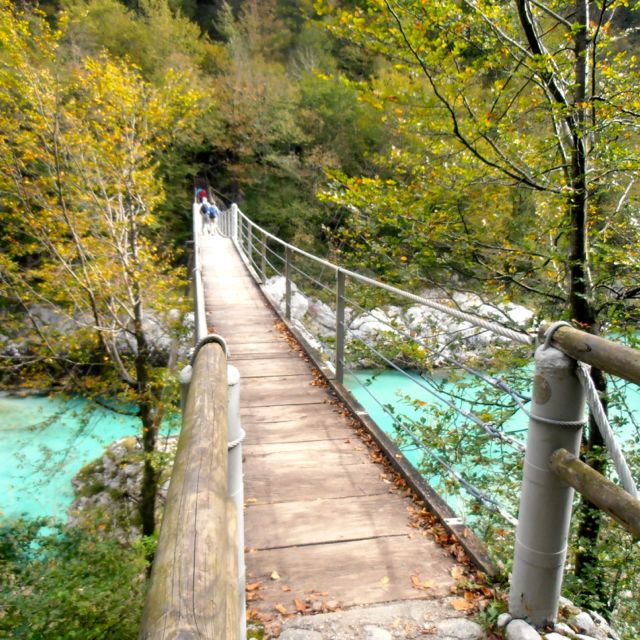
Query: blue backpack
(210, 210)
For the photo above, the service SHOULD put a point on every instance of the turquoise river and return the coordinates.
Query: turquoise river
(44, 443)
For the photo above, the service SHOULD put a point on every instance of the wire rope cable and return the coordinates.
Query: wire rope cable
(489, 503)
(516, 336)
(489, 429)
(609, 437)
(599, 415)
(491, 380)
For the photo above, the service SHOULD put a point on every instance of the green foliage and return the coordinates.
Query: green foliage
(154, 38)
(478, 182)
(61, 582)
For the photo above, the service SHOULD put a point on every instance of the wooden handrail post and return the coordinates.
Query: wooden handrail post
(556, 419)
(616, 359)
(193, 590)
(598, 489)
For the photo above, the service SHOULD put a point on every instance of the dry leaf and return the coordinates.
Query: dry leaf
(419, 584)
(283, 610)
(300, 605)
(285, 588)
(460, 604)
(457, 573)
(385, 580)
(275, 575)
(252, 586)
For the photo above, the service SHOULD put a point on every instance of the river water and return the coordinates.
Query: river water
(45, 442)
(377, 390)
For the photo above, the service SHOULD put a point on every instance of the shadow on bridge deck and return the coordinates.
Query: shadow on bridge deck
(324, 523)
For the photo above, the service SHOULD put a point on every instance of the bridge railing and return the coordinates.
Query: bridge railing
(196, 588)
(556, 410)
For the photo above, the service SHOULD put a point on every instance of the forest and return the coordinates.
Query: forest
(460, 145)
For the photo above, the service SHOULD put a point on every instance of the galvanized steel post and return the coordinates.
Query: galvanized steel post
(185, 381)
(263, 258)
(234, 221)
(556, 419)
(250, 243)
(340, 328)
(236, 487)
(287, 278)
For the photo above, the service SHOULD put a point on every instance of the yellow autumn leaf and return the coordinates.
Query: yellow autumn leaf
(275, 575)
(280, 608)
(419, 584)
(460, 604)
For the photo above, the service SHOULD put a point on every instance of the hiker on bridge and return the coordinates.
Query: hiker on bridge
(210, 215)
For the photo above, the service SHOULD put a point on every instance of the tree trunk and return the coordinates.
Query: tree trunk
(590, 517)
(149, 488)
(582, 306)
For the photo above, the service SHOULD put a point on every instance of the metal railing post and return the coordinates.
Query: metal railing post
(287, 277)
(340, 328)
(556, 419)
(185, 380)
(250, 244)
(234, 221)
(263, 259)
(236, 487)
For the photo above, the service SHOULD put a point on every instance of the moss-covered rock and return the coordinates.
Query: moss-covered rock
(108, 488)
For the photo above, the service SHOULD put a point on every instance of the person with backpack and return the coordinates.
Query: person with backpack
(210, 215)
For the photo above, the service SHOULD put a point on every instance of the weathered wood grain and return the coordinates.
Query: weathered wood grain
(349, 518)
(350, 573)
(279, 391)
(193, 586)
(318, 510)
(316, 479)
(609, 497)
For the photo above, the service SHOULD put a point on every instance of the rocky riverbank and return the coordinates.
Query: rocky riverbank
(392, 327)
(108, 489)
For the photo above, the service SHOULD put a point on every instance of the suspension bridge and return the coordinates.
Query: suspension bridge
(330, 515)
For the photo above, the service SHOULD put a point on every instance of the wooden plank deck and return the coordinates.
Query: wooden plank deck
(321, 516)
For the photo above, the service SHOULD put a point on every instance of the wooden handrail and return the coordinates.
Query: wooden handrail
(193, 590)
(599, 490)
(600, 353)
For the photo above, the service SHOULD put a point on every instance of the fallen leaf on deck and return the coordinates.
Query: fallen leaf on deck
(285, 588)
(283, 610)
(275, 575)
(419, 584)
(461, 605)
(300, 606)
(384, 580)
(252, 586)
(457, 573)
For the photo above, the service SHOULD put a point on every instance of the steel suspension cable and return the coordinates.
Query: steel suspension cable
(494, 327)
(489, 429)
(490, 380)
(489, 503)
